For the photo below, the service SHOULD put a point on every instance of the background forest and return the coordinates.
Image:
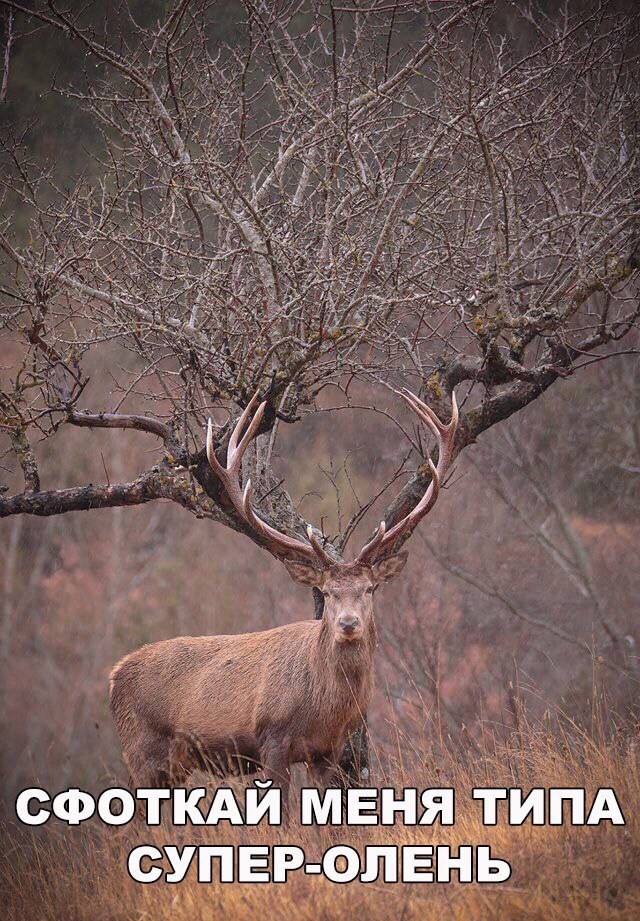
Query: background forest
(520, 598)
(507, 595)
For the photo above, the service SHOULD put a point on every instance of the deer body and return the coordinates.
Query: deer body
(269, 699)
(291, 694)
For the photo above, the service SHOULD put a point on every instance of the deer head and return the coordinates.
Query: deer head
(347, 587)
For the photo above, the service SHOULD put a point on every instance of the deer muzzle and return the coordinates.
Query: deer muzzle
(349, 624)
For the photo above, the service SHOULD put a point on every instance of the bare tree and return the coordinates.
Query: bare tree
(386, 195)
(530, 592)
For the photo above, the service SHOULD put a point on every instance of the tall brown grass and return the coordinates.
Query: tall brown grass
(566, 873)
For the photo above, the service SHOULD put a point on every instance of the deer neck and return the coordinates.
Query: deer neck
(347, 663)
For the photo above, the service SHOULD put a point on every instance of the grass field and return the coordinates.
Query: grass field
(566, 873)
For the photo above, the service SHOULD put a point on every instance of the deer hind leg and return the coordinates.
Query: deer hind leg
(323, 770)
(187, 753)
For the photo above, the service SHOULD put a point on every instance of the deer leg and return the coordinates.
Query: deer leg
(354, 761)
(148, 763)
(181, 761)
(275, 757)
(323, 770)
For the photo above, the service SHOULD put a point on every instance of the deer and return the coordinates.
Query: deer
(267, 700)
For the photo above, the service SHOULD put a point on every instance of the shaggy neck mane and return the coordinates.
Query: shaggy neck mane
(347, 662)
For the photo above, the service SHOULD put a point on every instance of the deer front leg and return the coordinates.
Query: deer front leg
(181, 760)
(276, 763)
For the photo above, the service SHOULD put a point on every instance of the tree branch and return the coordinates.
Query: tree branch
(156, 483)
(130, 421)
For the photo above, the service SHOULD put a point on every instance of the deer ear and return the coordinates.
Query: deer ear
(303, 573)
(388, 569)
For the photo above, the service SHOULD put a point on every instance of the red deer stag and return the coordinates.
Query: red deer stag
(281, 696)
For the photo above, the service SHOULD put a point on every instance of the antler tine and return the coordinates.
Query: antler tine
(445, 435)
(242, 421)
(427, 414)
(421, 409)
(251, 430)
(374, 543)
(312, 550)
(318, 549)
(281, 544)
(234, 453)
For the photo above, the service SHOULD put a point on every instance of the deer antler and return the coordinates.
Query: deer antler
(445, 435)
(281, 543)
(230, 476)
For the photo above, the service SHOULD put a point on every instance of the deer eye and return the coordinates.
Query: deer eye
(369, 590)
(325, 594)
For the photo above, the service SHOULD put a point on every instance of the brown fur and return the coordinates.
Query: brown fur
(229, 703)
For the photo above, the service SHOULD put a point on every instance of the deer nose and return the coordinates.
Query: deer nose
(348, 623)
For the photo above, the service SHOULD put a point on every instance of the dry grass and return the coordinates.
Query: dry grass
(559, 873)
